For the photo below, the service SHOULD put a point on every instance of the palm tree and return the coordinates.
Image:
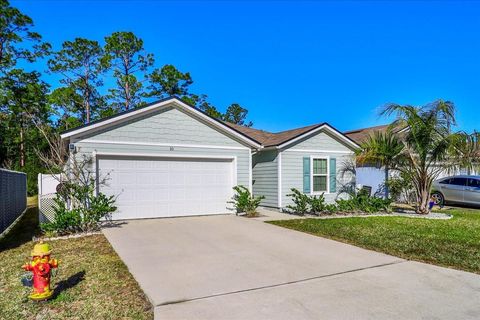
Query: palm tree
(427, 148)
(382, 149)
(467, 150)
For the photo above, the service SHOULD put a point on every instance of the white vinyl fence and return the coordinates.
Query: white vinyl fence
(47, 191)
(13, 196)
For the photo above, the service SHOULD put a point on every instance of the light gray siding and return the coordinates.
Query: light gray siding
(321, 141)
(265, 177)
(164, 126)
(292, 173)
(168, 132)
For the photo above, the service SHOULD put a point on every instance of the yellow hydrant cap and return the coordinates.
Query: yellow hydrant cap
(41, 249)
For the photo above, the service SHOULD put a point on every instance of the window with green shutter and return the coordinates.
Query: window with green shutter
(306, 175)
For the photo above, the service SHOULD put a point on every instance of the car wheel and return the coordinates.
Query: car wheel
(438, 198)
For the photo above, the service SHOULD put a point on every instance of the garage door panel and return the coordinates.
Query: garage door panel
(148, 188)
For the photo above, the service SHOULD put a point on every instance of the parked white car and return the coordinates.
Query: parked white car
(462, 189)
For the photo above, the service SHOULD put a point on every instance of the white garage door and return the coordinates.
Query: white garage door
(160, 187)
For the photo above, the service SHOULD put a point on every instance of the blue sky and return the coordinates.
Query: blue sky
(296, 63)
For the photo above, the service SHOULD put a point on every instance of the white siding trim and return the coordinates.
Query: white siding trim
(311, 175)
(319, 151)
(279, 174)
(250, 173)
(165, 155)
(161, 144)
(235, 176)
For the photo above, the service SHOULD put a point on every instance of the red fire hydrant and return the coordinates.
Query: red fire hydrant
(41, 266)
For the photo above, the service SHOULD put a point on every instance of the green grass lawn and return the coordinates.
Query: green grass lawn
(451, 243)
(92, 281)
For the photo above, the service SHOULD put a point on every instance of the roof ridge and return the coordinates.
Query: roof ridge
(367, 128)
(279, 132)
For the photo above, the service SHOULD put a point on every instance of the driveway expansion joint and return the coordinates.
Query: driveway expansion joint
(282, 284)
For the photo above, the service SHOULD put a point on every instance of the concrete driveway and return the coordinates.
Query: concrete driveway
(227, 267)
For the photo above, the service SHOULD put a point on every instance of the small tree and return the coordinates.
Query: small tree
(169, 81)
(201, 103)
(79, 63)
(237, 114)
(17, 40)
(78, 205)
(381, 150)
(428, 147)
(124, 53)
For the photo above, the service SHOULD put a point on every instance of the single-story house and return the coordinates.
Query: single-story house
(170, 159)
(308, 159)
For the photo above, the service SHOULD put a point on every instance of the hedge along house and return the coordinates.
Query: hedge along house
(170, 159)
(309, 159)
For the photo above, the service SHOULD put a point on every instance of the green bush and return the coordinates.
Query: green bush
(301, 202)
(330, 208)
(401, 188)
(317, 204)
(65, 221)
(359, 202)
(244, 201)
(344, 205)
(84, 214)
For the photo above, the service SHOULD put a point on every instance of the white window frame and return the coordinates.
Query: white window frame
(327, 174)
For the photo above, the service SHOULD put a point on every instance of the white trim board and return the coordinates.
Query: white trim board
(173, 102)
(250, 172)
(279, 178)
(161, 144)
(319, 151)
(312, 157)
(162, 155)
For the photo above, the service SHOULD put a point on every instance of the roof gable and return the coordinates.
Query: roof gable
(252, 137)
(285, 138)
(151, 109)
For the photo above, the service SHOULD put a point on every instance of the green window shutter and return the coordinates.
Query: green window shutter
(333, 175)
(306, 174)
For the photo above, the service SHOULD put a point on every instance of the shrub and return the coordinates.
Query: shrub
(64, 221)
(344, 205)
(359, 202)
(401, 188)
(244, 201)
(301, 202)
(317, 204)
(85, 211)
(331, 208)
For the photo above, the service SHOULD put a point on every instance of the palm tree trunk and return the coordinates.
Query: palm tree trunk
(423, 198)
(22, 147)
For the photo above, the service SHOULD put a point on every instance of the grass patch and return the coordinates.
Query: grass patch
(451, 243)
(92, 281)
(32, 201)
